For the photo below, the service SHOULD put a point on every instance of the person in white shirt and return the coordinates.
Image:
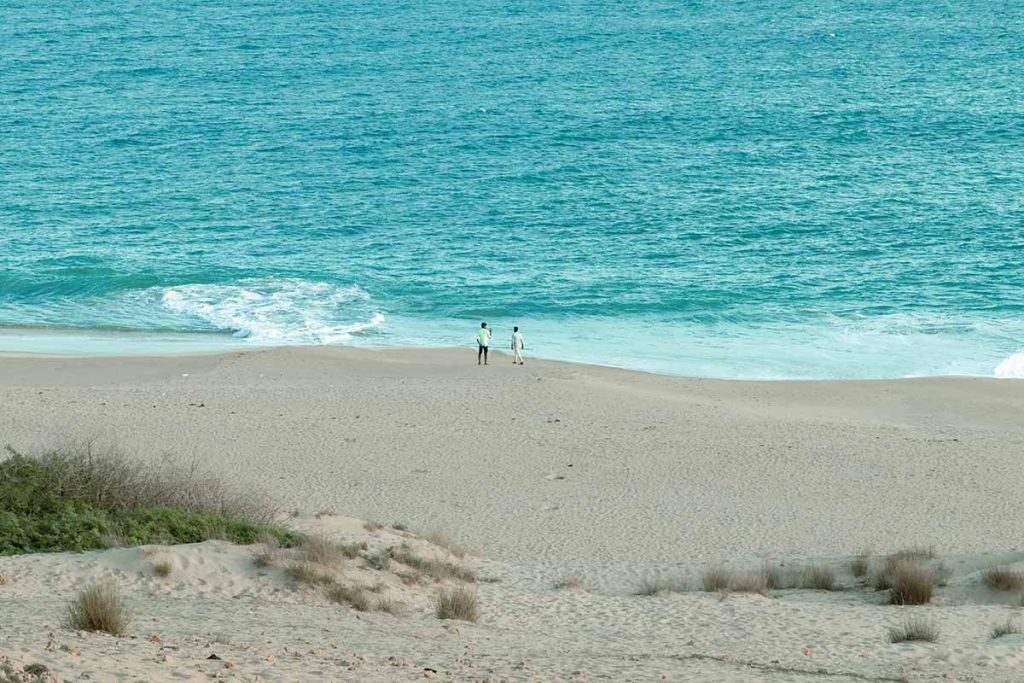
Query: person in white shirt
(517, 346)
(483, 340)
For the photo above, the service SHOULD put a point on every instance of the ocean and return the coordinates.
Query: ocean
(757, 189)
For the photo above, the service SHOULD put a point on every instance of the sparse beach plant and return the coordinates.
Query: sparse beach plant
(264, 556)
(163, 568)
(715, 579)
(818, 577)
(372, 526)
(356, 598)
(1005, 628)
(317, 549)
(309, 573)
(442, 540)
(436, 568)
(911, 583)
(399, 526)
(1001, 578)
(392, 607)
(914, 629)
(749, 581)
(860, 564)
(99, 607)
(379, 561)
(459, 602)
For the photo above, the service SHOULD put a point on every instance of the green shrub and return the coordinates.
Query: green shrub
(76, 500)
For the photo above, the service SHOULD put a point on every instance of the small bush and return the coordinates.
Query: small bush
(749, 581)
(1003, 579)
(914, 554)
(99, 607)
(1006, 628)
(914, 629)
(319, 550)
(860, 564)
(385, 604)
(912, 584)
(308, 573)
(372, 526)
(163, 568)
(399, 526)
(356, 598)
(457, 603)
(652, 587)
(817, 577)
(6, 580)
(715, 579)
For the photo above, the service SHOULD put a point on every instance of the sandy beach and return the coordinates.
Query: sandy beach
(541, 472)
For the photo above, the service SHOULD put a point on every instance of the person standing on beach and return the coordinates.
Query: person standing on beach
(517, 346)
(483, 338)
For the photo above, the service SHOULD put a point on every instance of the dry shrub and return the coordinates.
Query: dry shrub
(308, 573)
(911, 583)
(860, 564)
(372, 526)
(715, 579)
(914, 629)
(749, 581)
(319, 550)
(99, 607)
(163, 568)
(457, 603)
(385, 604)
(818, 577)
(433, 567)
(1006, 628)
(914, 553)
(379, 560)
(6, 579)
(1003, 579)
(650, 587)
(356, 598)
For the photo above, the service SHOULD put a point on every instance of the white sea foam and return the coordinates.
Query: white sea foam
(1011, 367)
(278, 311)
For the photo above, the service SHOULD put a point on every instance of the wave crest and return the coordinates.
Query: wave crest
(1011, 367)
(278, 311)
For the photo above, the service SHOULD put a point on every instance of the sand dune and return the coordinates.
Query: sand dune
(542, 472)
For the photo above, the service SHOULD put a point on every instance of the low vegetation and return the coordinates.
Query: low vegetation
(860, 564)
(911, 583)
(99, 607)
(1005, 628)
(77, 499)
(1003, 579)
(457, 603)
(343, 594)
(651, 586)
(715, 579)
(163, 568)
(434, 567)
(441, 540)
(914, 629)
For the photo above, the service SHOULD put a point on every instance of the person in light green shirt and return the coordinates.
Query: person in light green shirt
(483, 338)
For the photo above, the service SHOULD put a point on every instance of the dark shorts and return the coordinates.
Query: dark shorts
(481, 348)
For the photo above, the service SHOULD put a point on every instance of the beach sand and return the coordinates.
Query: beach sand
(542, 471)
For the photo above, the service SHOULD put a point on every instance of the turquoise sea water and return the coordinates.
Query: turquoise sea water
(734, 189)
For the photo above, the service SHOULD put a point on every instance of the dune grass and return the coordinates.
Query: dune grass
(75, 499)
(914, 629)
(570, 582)
(343, 594)
(1003, 579)
(434, 567)
(860, 564)
(457, 603)
(163, 568)
(1005, 628)
(99, 607)
(911, 583)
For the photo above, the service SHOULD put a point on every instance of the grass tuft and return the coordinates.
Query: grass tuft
(715, 579)
(163, 568)
(372, 526)
(1003, 579)
(1006, 628)
(264, 556)
(356, 598)
(99, 607)
(385, 604)
(914, 629)
(442, 540)
(434, 567)
(911, 583)
(749, 581)
(380, 561)
(818, 577)
(308, 573)
(457, 603)
(860, 564)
